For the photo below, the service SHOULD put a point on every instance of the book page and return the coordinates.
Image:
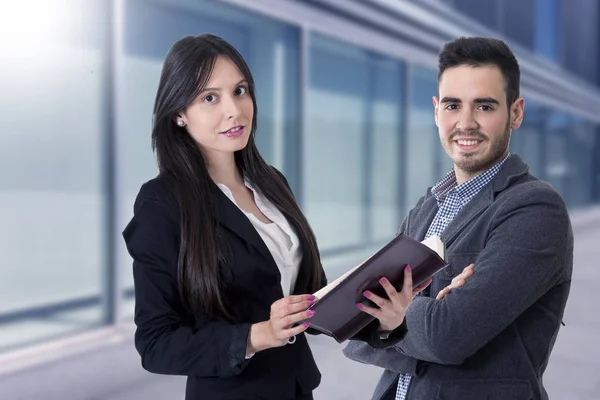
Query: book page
(323, 291)
(433, 242)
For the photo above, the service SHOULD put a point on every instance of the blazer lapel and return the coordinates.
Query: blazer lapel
(425, 216)
(475, 207)
(236, 221)
(512, 170)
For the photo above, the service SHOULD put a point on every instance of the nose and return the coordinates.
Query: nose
(466, 121)
(231, 107)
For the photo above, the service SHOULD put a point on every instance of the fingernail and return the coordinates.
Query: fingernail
(311, 313)
(408, 268)
(359, 305)
(310, 304)
(383, 280)
(311, 297)
(307, 324)
(367, 293)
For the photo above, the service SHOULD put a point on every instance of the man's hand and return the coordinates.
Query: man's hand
(457, 282)
(392, 310)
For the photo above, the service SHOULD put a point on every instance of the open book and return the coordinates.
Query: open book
(336, 313)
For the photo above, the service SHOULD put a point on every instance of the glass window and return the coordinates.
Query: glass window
(351, 154)
(52, 199)
(517, 21)
(527, 141)
(486, 12)
(385, 136)
(270, 49)
(580, 146)
(546, 37)
(557, 167)
(423, 157)
(333, 162)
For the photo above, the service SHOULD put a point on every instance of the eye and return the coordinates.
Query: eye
(241, 90)
(485, 107)
(451, 107)
(210, 98)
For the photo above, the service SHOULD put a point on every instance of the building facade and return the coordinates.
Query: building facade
(344, 97)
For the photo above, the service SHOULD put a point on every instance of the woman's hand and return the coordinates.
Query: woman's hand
(278, 329)
(392, 310)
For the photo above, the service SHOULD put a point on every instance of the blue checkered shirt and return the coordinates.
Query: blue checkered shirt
(451, 198)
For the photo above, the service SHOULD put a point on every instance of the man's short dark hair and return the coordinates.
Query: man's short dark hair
(478, 51)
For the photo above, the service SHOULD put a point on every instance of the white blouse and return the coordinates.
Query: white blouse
(279, 236)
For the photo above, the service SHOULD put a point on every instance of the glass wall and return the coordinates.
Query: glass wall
(270, 49)
(351, 144)
(52, 197)
(358, 143)
(547, 28)
(385, 135)
(422, 138)
(528, 140)
(556, 166)
(558, 147)
(580, 144)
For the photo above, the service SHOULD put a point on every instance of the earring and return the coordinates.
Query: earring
(180, 123)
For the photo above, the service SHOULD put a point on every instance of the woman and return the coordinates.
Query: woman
(223, 256)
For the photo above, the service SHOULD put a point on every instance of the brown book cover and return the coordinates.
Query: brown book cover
(336, 313)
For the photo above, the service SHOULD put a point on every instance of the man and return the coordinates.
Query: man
(491, 338)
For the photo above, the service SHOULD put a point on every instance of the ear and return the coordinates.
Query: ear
(517, 112)
(180, 119)
(436, 103)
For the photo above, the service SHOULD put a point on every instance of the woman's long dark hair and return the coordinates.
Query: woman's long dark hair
(181, 162)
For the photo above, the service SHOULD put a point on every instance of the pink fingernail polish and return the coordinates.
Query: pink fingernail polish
(367, 293)
(311, 297)
(310, 313)
(383, 280)
(310, 304)
(359, 305)
(408, 268)
(307, 324)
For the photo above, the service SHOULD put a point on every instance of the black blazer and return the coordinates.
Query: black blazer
(211, 351)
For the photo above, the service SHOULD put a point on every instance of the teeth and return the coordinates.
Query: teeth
(234, 129)
(467, 142)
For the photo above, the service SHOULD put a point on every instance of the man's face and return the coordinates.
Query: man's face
(473, 118)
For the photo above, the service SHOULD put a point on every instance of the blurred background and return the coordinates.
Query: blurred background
(344, 97)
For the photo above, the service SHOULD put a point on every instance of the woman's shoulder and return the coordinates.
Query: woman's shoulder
(158, 193)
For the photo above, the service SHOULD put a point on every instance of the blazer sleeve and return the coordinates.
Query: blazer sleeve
(526, 253)
(167, 341)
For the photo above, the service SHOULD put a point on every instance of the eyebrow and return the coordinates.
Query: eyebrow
(476, 101)
(218, 89)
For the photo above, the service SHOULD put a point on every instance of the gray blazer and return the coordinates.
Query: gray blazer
(490, 339)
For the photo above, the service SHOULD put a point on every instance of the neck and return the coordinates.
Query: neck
(223, 169)
(463, 176)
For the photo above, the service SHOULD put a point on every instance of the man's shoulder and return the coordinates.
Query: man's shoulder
(530, 190)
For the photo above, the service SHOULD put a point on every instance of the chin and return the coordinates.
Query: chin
(238, 145)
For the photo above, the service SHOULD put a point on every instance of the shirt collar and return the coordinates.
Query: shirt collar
(467, 189)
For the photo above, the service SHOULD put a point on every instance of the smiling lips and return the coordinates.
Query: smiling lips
(237, 130)
(470, 142)
(467, 143)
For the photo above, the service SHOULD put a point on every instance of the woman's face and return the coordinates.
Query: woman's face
(220, 118)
